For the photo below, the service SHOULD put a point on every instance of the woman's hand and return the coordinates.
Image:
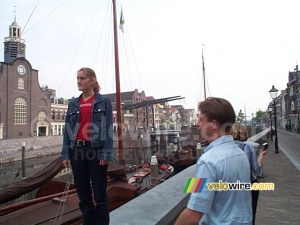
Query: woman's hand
(67, 163)
(264, 151)
(103, 162)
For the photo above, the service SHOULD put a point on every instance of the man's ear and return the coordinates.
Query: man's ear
(215, 125)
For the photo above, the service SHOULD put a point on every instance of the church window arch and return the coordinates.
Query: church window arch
(20, 111)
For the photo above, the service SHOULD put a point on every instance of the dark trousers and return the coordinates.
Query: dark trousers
(90, 181)
(254, 195)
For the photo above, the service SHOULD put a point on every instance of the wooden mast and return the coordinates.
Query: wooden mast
(203, 70)
(118, 91)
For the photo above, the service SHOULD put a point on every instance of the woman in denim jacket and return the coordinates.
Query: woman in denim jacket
(88, 147)
(240, 135)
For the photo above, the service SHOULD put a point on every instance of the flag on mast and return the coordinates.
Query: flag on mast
(122, 21)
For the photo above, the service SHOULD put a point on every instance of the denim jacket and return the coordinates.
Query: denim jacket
(251, 154)
(101, 127)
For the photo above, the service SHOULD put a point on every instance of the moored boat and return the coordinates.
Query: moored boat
(56, 205)
(52, 196)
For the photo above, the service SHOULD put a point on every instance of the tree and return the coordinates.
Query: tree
(240, 117)
(162, 119)
(258, 116)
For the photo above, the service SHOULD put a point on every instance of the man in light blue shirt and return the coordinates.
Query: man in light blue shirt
(223, 162)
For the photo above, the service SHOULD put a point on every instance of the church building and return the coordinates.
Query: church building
(24, 105)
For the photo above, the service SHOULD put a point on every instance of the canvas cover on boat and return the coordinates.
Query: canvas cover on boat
(18, 188)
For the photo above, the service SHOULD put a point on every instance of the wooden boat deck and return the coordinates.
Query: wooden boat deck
(43, 213)
(43, 210)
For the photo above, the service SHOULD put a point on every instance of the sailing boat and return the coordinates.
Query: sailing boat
(203, 142)
(187, 156)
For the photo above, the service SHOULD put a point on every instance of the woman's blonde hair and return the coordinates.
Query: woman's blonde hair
(91, 74)
(239, 132)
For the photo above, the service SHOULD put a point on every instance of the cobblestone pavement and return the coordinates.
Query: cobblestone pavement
(281, 206)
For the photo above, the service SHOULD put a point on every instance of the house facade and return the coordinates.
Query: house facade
(288, 103)
(292, 99)
(133, 118)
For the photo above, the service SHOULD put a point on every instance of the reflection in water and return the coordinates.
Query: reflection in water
(10, 172)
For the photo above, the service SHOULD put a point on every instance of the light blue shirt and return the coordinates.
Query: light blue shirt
(223, 160)
(251, 154)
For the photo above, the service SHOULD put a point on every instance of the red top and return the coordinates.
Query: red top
(85, 118)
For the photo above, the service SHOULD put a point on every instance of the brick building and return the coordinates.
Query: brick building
(292, 99)
(133, 118)
(288, 103)
(24, 105)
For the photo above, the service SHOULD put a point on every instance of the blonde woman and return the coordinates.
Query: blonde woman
(240, 135)
(88, 147)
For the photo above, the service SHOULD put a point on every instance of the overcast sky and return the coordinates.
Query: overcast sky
(248, 46)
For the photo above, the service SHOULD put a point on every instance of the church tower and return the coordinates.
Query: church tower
(14, 45)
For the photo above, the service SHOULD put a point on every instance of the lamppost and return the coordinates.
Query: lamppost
(273, 93)
(270, 114)
(298, 124)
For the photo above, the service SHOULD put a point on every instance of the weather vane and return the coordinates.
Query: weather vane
(15, 11)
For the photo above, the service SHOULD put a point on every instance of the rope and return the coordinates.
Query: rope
(62, 205)
(128, 57)
(77, 50)
(43, 17)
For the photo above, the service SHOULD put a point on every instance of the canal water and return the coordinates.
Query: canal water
(10, 172)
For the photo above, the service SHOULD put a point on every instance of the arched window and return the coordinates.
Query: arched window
(42, 117)
(20, 83)
(20, 111)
